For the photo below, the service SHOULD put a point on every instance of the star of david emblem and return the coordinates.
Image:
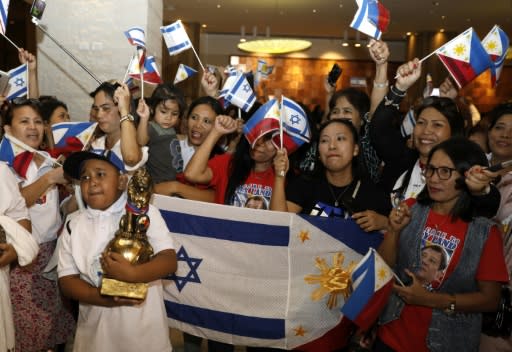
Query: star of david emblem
(192, 275)
(246, 88)
(295, 119)
(19, 82)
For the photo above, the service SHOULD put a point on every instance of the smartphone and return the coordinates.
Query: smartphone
(4, 82)
(333, 76)
(37, 9)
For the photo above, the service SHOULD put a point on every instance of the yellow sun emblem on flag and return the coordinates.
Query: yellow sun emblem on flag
(459, 50)
(491, 45)
(333, 280)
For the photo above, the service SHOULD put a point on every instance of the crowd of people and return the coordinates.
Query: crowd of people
(445, 217)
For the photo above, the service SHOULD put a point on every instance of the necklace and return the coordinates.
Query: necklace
(342, 193)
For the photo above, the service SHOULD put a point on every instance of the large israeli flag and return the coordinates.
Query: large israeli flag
(256, 277)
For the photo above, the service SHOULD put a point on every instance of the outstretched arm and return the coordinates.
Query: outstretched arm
(197, 170)
(379, 53)
(29, 59)
(130, 149)
(142, 128)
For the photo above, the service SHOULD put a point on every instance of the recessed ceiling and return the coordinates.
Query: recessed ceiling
(329, 18)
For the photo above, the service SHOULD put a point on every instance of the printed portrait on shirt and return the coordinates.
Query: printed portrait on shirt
(252, 196)
(433, 264)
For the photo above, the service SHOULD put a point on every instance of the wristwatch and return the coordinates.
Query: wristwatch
(128, 117)
(450, 310)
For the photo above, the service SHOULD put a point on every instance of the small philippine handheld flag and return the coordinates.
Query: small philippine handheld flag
(263, 121)
(372, 282)
(4, 8)
(136, 36)
(71, 137)
(364, 24)
(151, 74)
(176, 38)
(15, 156)
(464, 57)
(183, 73)
(497, 44)
(18, 82)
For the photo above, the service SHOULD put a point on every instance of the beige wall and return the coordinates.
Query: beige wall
(91, 30)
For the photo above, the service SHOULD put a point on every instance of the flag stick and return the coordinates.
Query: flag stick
(198, 59)
(69, 53)
(127, 70)
(28, 83)
(281, 123)
(239, 113)
(10, 41)
(141, 69)
(426, 57)
(30, 149)
(397, 278)
(87, 143)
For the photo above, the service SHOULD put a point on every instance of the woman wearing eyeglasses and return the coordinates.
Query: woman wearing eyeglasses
(41, 322)
(444, 315)
(437, 119)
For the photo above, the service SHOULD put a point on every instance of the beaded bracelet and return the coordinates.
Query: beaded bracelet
(397, 91)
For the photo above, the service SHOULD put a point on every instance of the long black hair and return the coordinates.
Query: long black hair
(357, 170)
(464, 154)
(239, 168)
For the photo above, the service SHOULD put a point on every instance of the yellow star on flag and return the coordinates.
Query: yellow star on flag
(304, 236)
(299, 331)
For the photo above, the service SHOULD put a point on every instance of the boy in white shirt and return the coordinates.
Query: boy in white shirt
(112, 323)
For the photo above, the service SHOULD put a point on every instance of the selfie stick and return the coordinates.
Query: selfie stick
(500, 166)
(36, 22)
(10, 41)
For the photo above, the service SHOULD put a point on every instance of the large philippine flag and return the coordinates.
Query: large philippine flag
(464, 57)
(254, 277)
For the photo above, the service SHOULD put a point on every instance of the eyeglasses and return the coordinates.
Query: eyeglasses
(443, 172)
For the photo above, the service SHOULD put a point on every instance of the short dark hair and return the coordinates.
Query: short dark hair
(206, 100)
(164, 92)
(498, 112)
(356, 97)
(106, 87)
(438, 249)
(448, 108)
(18, 103)
(49, 105)
(464, 154)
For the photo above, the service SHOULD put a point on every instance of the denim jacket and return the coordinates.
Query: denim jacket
(459, 331)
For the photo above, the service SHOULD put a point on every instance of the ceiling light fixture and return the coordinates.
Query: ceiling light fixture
(357, 44)
(275, 46)
(345, 38)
